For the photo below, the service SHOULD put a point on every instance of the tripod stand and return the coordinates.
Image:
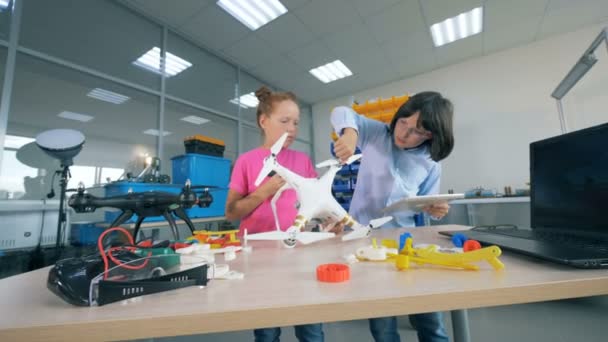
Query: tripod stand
(61, 221)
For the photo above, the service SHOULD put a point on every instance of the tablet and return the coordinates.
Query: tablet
(416, 203)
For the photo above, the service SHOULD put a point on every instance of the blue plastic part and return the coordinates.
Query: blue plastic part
(341, 185)
(201, 169)
(84, 233)
(419, 220)
(344, 171)
(459, 239)
(402, 239)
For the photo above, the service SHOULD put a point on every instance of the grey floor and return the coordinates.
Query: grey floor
(579, 320)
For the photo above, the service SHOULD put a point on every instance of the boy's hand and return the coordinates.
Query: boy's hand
(437, 210)
(336, 227)
(270, 187)
(345, 146)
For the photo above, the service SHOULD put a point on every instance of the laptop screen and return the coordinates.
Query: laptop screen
(569, 181)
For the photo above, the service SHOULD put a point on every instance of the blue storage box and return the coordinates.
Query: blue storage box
(341, 185)
(201, 170)
(84, 233)
(344, 171)
(216, 208)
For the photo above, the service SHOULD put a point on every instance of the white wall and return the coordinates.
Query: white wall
(502, 103)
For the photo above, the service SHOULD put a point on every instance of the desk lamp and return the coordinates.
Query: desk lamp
(64, 145)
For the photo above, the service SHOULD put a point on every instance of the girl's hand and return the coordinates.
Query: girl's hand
(270, 187)
(345, 146)
(437, 210)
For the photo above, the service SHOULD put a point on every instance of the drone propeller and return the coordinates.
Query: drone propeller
(377, 223)
(361, 231)
(292, 234)
(276, 148)
(310, 237)
(274, 235)
(332, 162)
(270, 160)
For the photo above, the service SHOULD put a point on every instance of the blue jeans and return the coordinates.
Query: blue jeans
(429, 327)
(304, 333)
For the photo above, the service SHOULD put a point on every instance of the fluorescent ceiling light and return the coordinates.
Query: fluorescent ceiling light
(4, 3)
(151, 61)
(197, 120)
(459, 27)
(155, 132)
(108, 96)
(253, 13)
(16, 142)
(75, 116)
(331, 71)
(246, 101)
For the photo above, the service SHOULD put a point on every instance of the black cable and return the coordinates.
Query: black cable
(51, 193)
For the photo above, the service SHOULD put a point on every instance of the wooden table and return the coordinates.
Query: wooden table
(280, 289)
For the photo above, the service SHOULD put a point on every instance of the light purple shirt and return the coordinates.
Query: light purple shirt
(387, 173)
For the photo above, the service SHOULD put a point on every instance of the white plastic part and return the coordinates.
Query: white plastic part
(185, 250)
(229, 255)
(351, 258)
(373, 254)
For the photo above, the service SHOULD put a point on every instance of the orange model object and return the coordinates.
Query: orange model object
(217, 239)
(333, 273)
(381, 109)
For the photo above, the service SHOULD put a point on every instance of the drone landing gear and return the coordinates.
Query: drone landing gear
(289, 243)
(167, 214)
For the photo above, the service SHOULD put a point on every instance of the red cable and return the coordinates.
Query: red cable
(104, 257)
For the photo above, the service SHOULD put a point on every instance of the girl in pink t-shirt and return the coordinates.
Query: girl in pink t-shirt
(277, 113)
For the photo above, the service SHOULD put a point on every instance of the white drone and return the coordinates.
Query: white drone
(316, 202)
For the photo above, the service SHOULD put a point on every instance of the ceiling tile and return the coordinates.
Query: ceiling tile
(415, 56)
(497, 38)
(412, 65)
(168, 12)
(327, 16)
(294, 4)
(410, 44)
(367, 7)
(207, 24)
(285, 33)
(351, 40)
(500, 13)
(367, 61)
(394, 22)
(564, 16)
(459, 50)
(312, 55)
(277, 70)
(251, 52)
(439, 10)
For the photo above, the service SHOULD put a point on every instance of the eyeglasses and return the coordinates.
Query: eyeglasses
(413, 130)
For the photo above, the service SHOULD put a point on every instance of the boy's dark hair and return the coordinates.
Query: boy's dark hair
(436, 114)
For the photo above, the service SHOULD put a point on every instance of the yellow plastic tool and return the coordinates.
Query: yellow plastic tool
(430, 255)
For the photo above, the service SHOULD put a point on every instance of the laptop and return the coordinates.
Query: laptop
(568, 203)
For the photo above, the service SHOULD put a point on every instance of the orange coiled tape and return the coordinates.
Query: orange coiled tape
(333, 273)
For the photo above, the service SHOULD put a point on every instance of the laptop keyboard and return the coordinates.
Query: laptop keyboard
(545, 236)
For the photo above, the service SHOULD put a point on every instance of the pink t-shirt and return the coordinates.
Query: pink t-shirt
(246, 170)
